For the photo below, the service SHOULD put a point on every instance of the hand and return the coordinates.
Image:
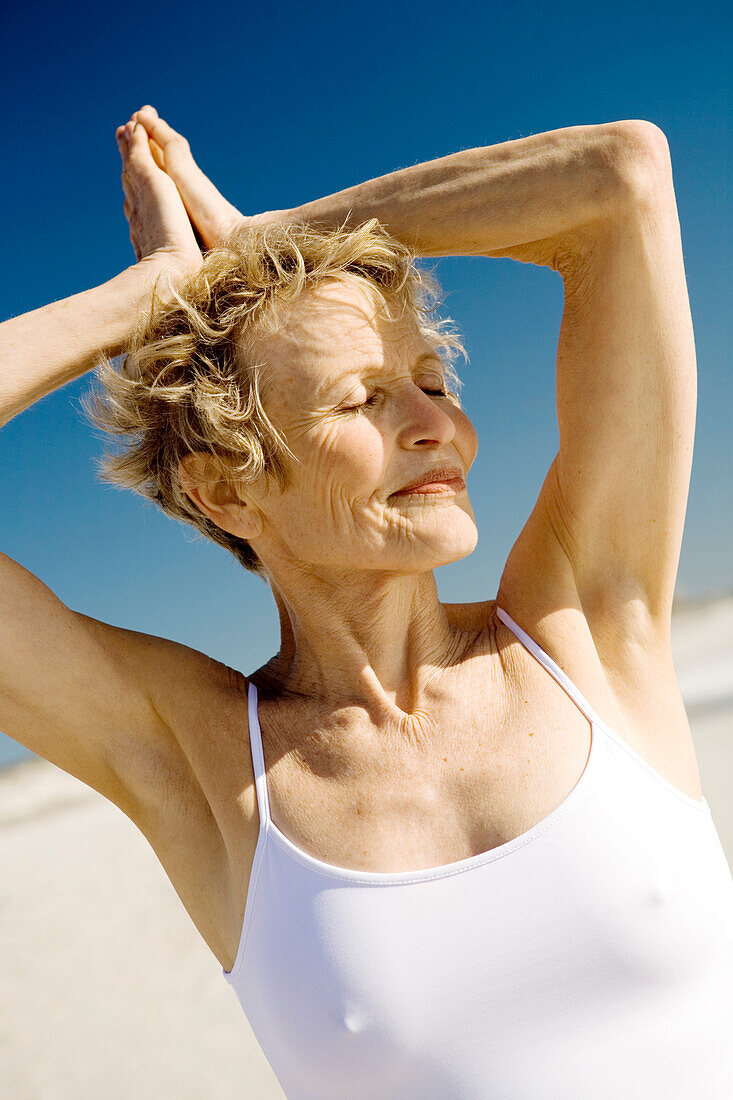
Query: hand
(215, 218)
(160, 230)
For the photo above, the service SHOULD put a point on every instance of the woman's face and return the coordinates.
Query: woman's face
(358, 400)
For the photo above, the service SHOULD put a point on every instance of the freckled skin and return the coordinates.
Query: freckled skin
(350, 566)
(336, 512)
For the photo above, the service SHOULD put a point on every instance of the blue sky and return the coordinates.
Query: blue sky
(283, 103)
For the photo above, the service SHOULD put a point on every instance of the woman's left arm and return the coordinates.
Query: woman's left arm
(597, 204)
(519, 199)
(509, 199)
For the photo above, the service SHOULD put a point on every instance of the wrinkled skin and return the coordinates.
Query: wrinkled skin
(350, 565)
(360, 438)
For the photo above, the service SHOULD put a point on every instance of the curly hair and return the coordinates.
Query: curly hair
(189, 383)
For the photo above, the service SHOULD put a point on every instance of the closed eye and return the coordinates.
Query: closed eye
(371, 401)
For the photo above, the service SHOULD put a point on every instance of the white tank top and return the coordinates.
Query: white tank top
(590, 958)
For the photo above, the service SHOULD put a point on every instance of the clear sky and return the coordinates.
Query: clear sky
(282, 103)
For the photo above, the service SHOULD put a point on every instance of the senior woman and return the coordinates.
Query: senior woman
(440, 851)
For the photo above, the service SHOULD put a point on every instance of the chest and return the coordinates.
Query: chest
(506, 751)
(499, 757)
(483, 771)
(489, 972)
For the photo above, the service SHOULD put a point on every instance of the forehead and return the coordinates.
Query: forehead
(335, 331)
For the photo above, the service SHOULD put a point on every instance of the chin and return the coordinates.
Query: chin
(444, 547)
(457, 554)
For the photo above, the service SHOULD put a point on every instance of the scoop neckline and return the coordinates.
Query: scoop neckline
(444, 870)
(386, 878)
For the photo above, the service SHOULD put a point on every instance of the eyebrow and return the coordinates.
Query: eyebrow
(371, 368)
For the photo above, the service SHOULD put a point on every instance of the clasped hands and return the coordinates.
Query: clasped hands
(167, 196)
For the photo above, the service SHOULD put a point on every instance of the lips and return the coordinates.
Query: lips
(442, 474)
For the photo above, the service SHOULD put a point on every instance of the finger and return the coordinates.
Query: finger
(204, 203)
(122, 140)
(157, 152)
(139, 166)
(135, 116)
(159, 130)
(155, 149)
(139, 143)
(207, 208)
(123, 135)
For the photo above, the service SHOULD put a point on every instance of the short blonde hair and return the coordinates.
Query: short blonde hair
(187, 383)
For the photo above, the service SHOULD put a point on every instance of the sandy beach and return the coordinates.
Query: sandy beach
(108, 991)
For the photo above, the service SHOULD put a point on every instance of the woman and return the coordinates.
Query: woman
(465, 853)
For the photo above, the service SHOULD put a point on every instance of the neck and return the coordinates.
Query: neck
(365, 640)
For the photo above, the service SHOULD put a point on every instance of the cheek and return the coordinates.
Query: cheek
(349, 459)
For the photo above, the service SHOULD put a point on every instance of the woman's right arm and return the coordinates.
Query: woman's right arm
(57, 343)
(97, 700)
(53, 345)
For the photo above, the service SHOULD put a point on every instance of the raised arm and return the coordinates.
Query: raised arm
(43, 350)
(82, 693)
(518, 198)
(595, 203)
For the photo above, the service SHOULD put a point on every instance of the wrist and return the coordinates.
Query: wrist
(113, 309)
(267, 217)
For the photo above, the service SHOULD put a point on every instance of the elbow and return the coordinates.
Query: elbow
(639, 158)
(640, 136)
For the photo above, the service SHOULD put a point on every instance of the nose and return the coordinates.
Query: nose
(425, 421)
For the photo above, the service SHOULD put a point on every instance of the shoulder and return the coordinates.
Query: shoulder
(180, 676)
(165, 668)
(192, 694)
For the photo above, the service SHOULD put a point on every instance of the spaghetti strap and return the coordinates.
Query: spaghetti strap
(258, 756)
(554, 669)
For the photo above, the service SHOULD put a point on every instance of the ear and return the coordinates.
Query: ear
(203, 482)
